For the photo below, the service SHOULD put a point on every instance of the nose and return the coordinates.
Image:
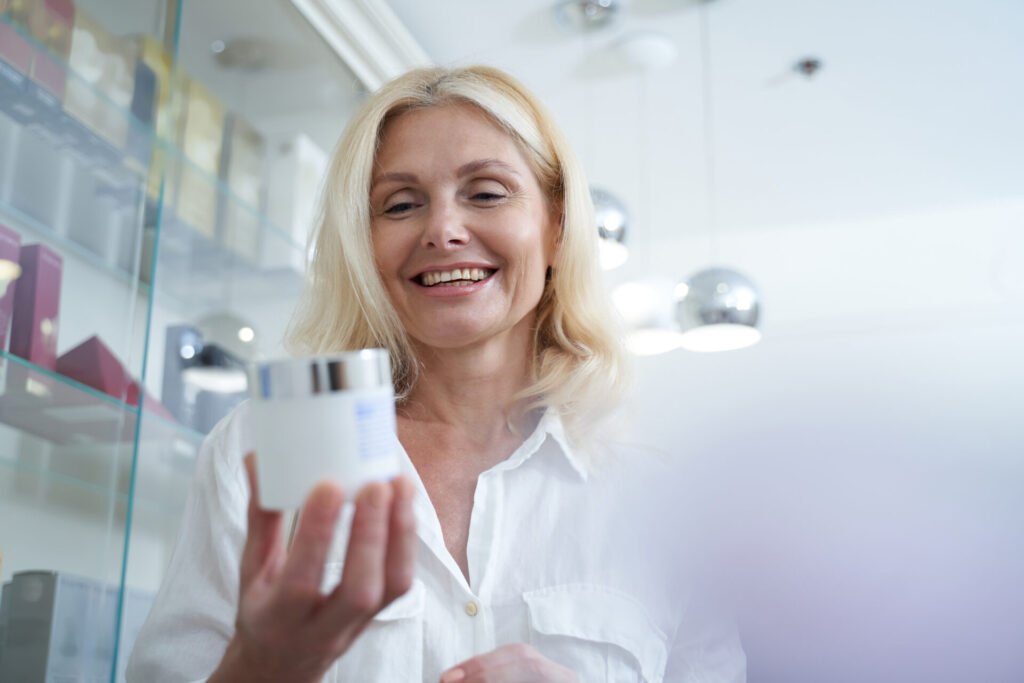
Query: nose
(444, 228)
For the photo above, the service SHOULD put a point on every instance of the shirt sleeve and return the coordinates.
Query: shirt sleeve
(193, 615)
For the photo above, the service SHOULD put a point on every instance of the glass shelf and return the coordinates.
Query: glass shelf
(253, 252)
(29, 226)
(63, 411)
(84, 438)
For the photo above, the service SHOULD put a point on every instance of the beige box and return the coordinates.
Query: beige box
(202, 136)
(242, 170)
(169, 97)
(296, 176)
(101, 96)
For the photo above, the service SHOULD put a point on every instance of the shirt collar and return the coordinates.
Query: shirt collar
(549, 435)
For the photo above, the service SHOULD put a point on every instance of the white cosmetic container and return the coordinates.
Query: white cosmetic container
(328, 417)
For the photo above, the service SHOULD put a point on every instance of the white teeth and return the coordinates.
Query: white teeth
(457, 276)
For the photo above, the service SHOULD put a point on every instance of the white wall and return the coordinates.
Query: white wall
(861, 469)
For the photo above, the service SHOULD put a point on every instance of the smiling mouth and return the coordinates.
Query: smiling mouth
(457, 277)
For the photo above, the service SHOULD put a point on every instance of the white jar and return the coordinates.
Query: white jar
(328, 417)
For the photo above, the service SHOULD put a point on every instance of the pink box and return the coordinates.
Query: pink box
(14, 49)
(35, 321)
(10, 250)
(93, 364)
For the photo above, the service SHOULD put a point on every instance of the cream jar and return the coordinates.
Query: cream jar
(325, 417)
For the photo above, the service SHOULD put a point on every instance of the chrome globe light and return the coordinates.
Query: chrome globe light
(717, 310)
(647, 308)
(612, 220)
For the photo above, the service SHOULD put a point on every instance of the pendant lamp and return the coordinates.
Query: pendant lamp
(718, 308)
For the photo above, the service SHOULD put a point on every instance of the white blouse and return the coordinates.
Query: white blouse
(544, 567)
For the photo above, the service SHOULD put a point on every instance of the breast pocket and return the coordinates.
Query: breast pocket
(390, 648)
(599, 633)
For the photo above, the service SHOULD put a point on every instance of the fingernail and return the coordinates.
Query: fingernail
(453, 675)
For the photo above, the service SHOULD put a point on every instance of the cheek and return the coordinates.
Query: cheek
(531, 268)
(386, 255)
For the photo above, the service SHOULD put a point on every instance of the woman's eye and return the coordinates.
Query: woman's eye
(488, 196)
(399, 208)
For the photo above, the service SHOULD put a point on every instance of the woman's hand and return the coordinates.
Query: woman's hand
(515, 663)
(286, 630)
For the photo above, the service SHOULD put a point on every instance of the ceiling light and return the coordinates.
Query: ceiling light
(230, 332)
(719, 311)
(587, 15)
(648, 50)
(612, 220)
(217, 380)
(648, 310)
(212, 368)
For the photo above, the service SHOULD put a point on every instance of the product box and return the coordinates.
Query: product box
(295, 180)
(49, 23)
(15, 66)
(93, 364)
(192, 406)
(5, 598)
(35, 321)
(202, 139)
(62, 627)
(10, 270)
(139, 147)
(100, 97)
(168, 109)
(240, 210)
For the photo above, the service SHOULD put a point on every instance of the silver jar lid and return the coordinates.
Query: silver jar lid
(312, 375)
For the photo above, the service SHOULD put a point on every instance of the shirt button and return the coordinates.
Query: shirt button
(472, 608)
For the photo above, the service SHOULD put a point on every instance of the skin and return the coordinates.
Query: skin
(449, 187)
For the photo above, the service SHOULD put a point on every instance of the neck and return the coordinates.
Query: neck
(472, 388)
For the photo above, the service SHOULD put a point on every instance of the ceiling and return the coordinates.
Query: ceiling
(916, 108)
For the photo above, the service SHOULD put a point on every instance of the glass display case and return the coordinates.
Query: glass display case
(159, 165)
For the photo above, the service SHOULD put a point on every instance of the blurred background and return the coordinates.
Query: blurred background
(859, 164)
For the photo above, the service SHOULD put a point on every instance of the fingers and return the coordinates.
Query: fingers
(303, 571)
(489, 662)
(400, 559)
(360, 594)
(264, 544)
(509, 664)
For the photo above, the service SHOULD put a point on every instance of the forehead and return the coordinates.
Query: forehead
(449, 132)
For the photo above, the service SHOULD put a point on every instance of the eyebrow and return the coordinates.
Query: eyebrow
(464, 170)
(474, 166)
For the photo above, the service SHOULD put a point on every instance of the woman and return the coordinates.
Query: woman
(456, 231)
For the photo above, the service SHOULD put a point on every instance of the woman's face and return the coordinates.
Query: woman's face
(462, 233)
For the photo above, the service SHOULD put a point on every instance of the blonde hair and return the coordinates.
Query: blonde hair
(578, 364)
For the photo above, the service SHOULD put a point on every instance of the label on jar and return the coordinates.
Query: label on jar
(375, 424)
